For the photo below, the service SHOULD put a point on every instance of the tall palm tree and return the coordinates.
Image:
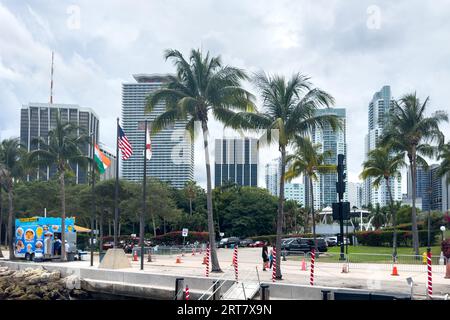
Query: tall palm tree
(190, 191)
(444, 168)
(309, 162)
(290, 108)
(384, 166)
(409, 131)
(202, 87)
(62, 148)
(11, 170)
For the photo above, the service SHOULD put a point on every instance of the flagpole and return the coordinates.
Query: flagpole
(116, 195)
(93, 198)
(144, 204)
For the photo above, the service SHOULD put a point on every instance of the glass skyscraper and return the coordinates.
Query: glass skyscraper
(172, 149)
(37, 119)
(236, 161)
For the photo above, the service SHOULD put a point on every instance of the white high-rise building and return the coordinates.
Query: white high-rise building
(272, 176)
(324, 189)
(172, 149)
(379, 108)
(355, 194)
(295, 191)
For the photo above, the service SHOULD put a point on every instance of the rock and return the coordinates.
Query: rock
(79, 294)
(72, 282)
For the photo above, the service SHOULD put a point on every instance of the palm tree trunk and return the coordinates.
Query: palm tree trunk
(280, 213)
(10, 223)
(1, 221)
(215, 267)
(63, 216)
(394, 220)
(415, 232)
(190, 206)
(313, 215)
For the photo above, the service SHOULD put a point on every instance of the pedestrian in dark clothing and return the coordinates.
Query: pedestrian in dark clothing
(265, 257)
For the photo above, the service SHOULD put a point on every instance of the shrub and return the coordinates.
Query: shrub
(445, 247)
(381, 238)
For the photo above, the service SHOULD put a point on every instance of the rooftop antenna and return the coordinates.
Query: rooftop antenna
(51, 82)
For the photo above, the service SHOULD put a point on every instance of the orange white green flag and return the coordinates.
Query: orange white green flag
(102, 161)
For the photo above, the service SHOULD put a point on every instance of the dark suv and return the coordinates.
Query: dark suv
(321, 244)
(295, 245)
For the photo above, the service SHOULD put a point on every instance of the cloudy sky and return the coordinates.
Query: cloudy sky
(350, 48)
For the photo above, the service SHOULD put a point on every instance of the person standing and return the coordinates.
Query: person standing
(265, 256)
(271, 258)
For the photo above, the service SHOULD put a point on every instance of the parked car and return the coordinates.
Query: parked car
(321, 244)
(227, 242)
(257, 244)
(331, 241)
(245, 242)
(295, 245)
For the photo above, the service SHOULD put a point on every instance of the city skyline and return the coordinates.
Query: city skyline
(86, 56)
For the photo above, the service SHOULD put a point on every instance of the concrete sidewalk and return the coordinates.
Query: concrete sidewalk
(365, 276)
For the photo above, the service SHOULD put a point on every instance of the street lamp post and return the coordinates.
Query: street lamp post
(93, 198)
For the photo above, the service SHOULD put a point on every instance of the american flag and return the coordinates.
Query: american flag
(124, 145)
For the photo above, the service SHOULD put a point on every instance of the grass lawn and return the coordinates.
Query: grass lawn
(375, 254)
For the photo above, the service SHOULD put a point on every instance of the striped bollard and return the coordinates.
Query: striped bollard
(207, 262)
(186, 293)
(274, 266)
(430, 274)
(313, 257)
(235, 262)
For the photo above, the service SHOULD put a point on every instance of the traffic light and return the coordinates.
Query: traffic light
(340, 184)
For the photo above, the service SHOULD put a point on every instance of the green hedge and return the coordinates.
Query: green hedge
(380, 238)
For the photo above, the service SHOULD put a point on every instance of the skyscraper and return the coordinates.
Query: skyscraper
(355, 194)
(330, 141)
(272, 176)
(430, 189)
(295, 191)
(37, 119)
(236, 161)
(172, 149)
(379, 109)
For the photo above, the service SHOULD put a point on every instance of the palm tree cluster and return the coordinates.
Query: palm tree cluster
(61, 149)
(411, 135)
(204, 87)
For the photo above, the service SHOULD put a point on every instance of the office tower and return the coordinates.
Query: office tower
(295, 191)
(355, 194)
(430, 189)
(333, 141)
(172, 149)
(110, 172)
(272, 176)
(37, 119)
(379, 109)
(236, 161)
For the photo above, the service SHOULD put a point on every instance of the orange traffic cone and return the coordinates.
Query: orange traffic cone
(447, 271)
(178, 260)
(394, 271)
(135, 256)
(204, 260)
(303, 265)
(193, 251)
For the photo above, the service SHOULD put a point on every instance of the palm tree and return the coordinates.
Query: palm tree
(62, 148)
(384, 166)
(290, 109)
(409, 131)
(444, 168)
(309, 162)
(190, 191)
(11, 170)
(201, 87)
